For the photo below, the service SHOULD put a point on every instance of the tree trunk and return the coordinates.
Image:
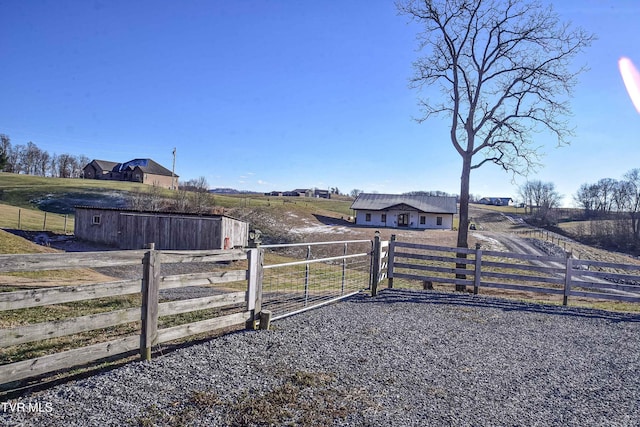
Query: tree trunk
(463, 227)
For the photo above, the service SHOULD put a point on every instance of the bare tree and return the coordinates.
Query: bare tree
(542, 198)
(14, 158)
(193, 196)
(43, 162)
(148, 199)
(5, 147)
(201, 200)
(503, 68)
(66, 164)
(632, 178)
(355, 193)
(53, 165)
(587, 199)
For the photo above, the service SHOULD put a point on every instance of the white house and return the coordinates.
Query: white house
(395, 210)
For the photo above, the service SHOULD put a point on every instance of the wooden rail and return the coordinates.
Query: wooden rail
(148, 285)
(503, 270)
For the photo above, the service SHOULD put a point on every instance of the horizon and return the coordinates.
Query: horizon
(255, 95)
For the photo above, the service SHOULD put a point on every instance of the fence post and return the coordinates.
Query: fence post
(344, 269)
(375, 268)
(390, 261)
(478, 269)
(567, 278)
(150, 291)
(306, 277)
(255, 275)
(65, 223)
(19, 219)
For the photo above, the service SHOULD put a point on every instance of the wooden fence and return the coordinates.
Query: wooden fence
(34, 220)
(566, 276)
(379, 262)
(390, 260)
(148, 286)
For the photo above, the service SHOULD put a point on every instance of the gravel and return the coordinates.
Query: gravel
(403, 358)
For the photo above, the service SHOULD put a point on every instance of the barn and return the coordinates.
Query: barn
(133, 229)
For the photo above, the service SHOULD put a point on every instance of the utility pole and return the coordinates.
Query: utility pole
(173, 171)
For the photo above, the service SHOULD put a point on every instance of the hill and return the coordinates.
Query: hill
(282, 219)
(12, 244)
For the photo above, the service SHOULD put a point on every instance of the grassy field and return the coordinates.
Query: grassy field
(25, 190)
(20, 218)
(11, 244)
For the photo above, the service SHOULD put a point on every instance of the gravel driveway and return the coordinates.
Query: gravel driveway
(404, 358)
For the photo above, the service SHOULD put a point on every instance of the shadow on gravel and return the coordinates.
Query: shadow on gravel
(393, 296)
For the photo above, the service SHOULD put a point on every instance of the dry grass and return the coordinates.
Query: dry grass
(20, 218)
(12, 244)
(303, 398)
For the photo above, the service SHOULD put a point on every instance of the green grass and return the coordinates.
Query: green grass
(20, 218)
(24, 190)
(12, 244)
(340, 205)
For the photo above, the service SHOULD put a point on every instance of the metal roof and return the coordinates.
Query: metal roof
(431, 204)
(149, 212)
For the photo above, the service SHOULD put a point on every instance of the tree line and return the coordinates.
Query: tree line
(30, 159)
(617, 201)
(540, 199)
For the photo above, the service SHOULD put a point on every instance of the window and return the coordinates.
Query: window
(423, 220)
(383, 217)
(439, 220)
(95, 220)
(367, 217)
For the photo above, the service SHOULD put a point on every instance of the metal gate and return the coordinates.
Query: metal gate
(302, 276)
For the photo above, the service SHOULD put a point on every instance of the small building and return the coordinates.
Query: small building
(496, 201)
(145, 171)
(322, 194)
(405, 211)
(303, 192)
(132, 229)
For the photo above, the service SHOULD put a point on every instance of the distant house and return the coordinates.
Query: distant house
(145, 171)
(132, 229)
(394, 210)
(496, 201)
(99, 169)
(302, 192)
(323, 194)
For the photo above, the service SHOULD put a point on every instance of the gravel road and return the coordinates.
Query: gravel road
(405, 358)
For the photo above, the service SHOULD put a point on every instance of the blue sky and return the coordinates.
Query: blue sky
(276, 95)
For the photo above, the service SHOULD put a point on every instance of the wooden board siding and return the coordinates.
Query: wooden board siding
(135, 230)
(106, 232)
(236, 231)
(169, 232)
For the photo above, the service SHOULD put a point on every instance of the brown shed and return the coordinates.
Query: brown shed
(132, 229)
